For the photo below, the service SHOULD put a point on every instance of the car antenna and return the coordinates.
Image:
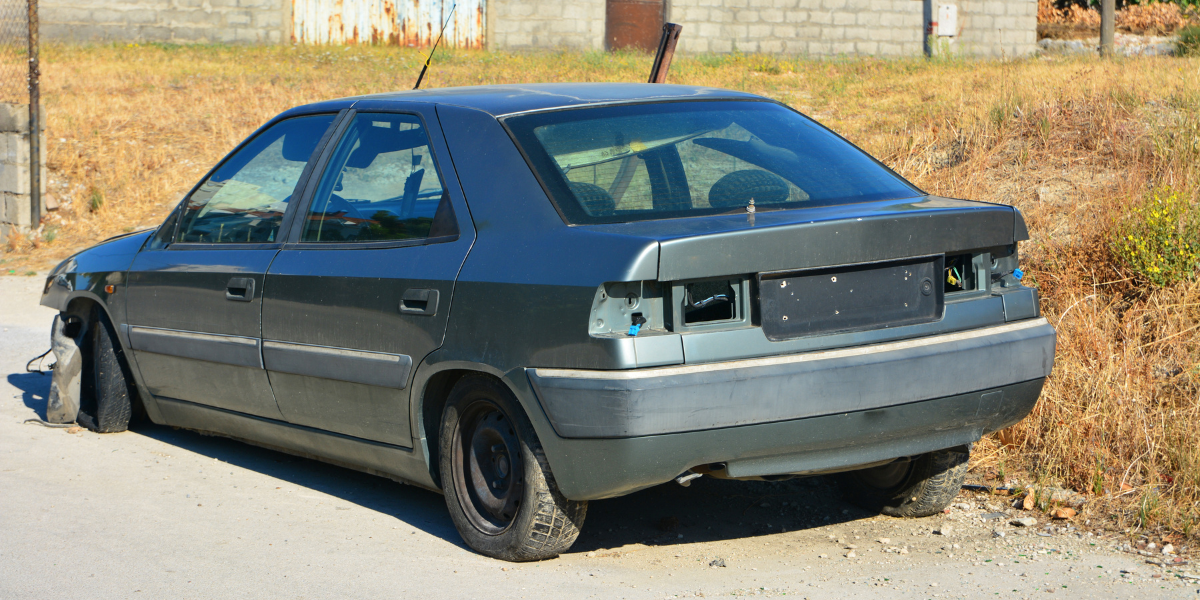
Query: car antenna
(435, 45)
(666, 51)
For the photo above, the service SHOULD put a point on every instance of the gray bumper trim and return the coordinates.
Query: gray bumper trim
(615, 404)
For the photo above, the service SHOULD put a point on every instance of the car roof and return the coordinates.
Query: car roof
(500, 100)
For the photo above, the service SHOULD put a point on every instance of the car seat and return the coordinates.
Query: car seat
(739, 187)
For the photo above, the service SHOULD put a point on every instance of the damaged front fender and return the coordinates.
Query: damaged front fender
(66, 384)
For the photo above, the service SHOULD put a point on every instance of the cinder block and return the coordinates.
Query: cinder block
(695, 14)
(771, 15)
(141, 16)
(238, 19)
(720, 45)
(857, 5)
(867, 48)
(693, 45)
(857, 33)
(820, 17)
(843, 18)
(107, 16)
(841, 48)
(708, 30)
(717, 15)
(796, 16)
(14, 117)
(883, 34)
(758, 32)
(808, 32)
(783, 31)
(795, 46)
(771, 46)
(830, 33)
(869, 18)
(15, 209)
(746, 15)
(833, 4)
(890, 49)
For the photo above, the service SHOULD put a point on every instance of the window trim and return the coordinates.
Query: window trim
(301, 184)
(293, 240)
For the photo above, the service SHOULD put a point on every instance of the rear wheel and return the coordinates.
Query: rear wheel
(921, 487)
(109, 406)
(498, 485)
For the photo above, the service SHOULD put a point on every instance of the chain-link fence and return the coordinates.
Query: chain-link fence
(20, 169)
(14, 51)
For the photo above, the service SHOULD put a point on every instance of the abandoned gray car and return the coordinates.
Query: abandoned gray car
(529, 297)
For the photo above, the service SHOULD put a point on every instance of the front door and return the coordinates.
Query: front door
(195, 291)
(361, 293)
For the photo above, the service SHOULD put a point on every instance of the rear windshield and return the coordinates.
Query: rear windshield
(616, 164)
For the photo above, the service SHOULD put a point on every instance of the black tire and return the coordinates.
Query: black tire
(109, 406)
(921, 487)
(498, 486)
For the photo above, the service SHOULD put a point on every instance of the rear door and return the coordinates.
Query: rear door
(361, 293)
(195, 291)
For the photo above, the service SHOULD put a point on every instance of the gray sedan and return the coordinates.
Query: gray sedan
(529, 297)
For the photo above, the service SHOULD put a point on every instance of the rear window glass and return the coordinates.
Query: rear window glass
(657, 161)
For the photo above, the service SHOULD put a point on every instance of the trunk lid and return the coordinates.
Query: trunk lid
(826, 236)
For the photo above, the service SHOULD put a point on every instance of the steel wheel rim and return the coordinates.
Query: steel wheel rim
(488, 470)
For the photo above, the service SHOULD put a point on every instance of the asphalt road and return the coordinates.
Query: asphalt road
(164, 513)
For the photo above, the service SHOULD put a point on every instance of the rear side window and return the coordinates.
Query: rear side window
(381, 185)
(667, 160)
(245, 198)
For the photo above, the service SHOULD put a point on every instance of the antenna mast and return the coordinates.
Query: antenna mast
(435, 45)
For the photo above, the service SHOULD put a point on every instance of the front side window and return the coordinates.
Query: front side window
(656, 161)
(381, 185)
(245, 198)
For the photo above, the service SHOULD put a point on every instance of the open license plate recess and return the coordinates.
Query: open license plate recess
(851, 298)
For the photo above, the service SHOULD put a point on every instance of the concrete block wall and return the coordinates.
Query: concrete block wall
(228, 21)
(997, 28)
(526, 24)
(813, 27)
(15, 213)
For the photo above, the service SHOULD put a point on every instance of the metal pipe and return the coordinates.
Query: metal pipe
(35, 130)
(1108, 10)
(666, 51)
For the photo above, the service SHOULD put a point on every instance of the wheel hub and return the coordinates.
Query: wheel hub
(490, 485)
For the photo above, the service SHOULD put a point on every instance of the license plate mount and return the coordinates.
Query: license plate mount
(850, 298)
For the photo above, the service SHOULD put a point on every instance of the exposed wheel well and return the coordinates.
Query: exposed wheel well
(437, 390)
(86, 312)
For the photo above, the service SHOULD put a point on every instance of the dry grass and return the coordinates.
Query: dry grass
(1075, 143)
(1075, 21)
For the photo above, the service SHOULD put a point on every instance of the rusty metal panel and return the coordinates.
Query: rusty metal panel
(391, 22)
(633, 24)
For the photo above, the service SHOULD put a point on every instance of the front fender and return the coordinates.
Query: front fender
(88, 274)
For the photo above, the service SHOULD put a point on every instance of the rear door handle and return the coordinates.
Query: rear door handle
(240, 289)
(419, 302)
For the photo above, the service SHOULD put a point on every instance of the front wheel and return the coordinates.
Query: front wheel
(920, 487)
(498, 485)
(109, 407)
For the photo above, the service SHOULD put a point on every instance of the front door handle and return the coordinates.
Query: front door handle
(240, 289)
(419, 302)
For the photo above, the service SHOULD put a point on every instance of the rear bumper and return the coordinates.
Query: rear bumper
(619, 431)
(640, 402)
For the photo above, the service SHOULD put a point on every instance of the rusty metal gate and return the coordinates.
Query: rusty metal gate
(392, 22)
(635, 24)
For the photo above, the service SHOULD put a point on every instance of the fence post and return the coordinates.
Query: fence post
(35, 117)
(1108, 10)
